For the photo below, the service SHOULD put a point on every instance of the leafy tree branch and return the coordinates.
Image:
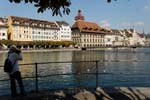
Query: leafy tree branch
(56, 6)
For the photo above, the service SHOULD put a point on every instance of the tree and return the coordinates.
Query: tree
(57, 6)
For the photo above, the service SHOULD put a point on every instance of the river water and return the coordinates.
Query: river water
(127, 72)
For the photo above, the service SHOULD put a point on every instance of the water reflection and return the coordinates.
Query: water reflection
(89, 55)
(114, 73)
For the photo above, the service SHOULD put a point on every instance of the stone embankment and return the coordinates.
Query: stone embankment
(43, 50)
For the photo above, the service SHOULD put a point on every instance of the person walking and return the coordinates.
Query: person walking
(14, 55)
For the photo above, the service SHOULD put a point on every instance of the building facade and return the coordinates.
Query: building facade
(87, 34)
(3, 29)
(113, 39)
(134, 38)
(26, 29)
(65, 31)
(147, 40)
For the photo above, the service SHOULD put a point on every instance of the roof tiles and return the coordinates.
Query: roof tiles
(89, 27)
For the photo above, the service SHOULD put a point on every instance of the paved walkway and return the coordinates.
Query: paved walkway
(117, 93)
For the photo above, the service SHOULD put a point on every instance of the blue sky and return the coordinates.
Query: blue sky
(119, 14)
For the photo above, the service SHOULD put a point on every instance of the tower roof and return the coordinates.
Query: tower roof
(79, 16)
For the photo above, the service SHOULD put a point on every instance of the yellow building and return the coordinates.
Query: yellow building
(26, 29)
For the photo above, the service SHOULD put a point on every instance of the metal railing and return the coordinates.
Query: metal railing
(41, 63)
(96, 73)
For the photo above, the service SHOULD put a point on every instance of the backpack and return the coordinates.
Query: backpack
(8, 66)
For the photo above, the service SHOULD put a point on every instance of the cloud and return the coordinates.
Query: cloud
(147, 7)
(105, 24)
(139, 23)
(129, 24)
(126, 24)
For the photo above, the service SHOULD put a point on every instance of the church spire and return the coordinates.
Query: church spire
(79, 16)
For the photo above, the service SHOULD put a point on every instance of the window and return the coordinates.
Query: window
(16, 22)
(108, 39)
(3, 34)
(26, 23)
(116, 38)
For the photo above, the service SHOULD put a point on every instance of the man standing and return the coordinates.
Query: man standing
(14, 55)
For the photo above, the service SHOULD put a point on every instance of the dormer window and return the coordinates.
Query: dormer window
(26, 23)
(102, 30)
(85, 28)
(41, 25)
(16, 22)
(95, 29)
(89, 28)
(47, 26)
(52, 26)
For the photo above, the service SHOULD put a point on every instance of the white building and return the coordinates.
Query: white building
(141, 39)
(87, 34)
(45, 34)
(3, 29)
(65, 31)
(108, 39)
(136, 38)
(114, 38)
(147, 40)
(133, 38)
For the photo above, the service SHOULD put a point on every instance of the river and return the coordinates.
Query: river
(132, 73)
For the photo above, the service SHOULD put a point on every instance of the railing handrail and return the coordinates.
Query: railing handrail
(52, 62)
(84, 61)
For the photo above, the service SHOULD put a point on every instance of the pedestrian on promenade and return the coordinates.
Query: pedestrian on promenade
(14, 55)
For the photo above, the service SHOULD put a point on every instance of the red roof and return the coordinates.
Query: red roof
(89, 27)
(141, 35)
(23, 20)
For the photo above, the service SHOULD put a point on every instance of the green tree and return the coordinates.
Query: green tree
(57, 6)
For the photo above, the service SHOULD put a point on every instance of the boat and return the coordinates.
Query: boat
(133, 46)
(83, 48)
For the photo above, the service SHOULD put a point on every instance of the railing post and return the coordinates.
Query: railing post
(36, 77)
(96, 73)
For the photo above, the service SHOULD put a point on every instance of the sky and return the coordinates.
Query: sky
(120, 14)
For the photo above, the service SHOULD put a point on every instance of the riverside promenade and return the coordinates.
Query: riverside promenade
(116, 93)
(43, 50)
